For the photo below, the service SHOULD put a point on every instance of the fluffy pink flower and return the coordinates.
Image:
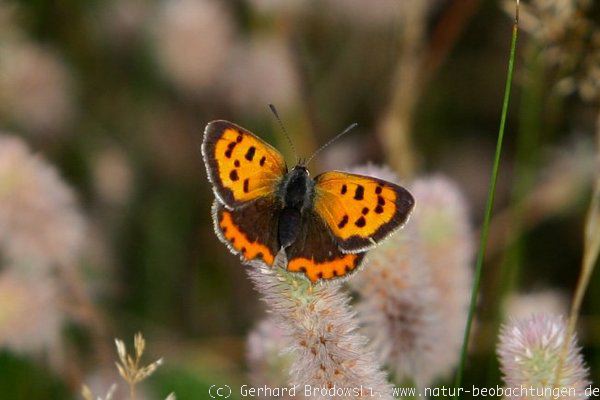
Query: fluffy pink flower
(268, 363)
(327, 352)
(31, 315)
(41, 225)
(36, 90)
(414, 291)
(266, 75)
(192, 39)
(529, 351)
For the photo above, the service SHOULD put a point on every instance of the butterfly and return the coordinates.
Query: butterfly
(324, 225)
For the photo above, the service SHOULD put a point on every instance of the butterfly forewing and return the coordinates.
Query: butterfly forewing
(241, 166)
(359, 210)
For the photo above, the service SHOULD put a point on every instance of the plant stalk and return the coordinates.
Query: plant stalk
(489, 204)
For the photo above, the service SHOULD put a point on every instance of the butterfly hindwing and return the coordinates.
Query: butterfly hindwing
(360, 210)
(315, 253)
(249, 231)
(241, 166)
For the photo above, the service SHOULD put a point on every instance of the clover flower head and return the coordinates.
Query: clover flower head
(529, 351)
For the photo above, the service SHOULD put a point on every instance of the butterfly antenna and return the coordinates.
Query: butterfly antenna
(289, 139)
(339, 135)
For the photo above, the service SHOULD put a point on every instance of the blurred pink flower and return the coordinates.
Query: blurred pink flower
(113, 176)
(278, 7)
(261, 72)
(31, 315)
(377, 13)
(524, 305)
(529, 351)
(40, 223)
(192, 39)
(378, 171)
(267, 361)
(121, 22)
(36, 90)
(414, 291)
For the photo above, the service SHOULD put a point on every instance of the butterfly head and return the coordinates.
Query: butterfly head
(301, 167)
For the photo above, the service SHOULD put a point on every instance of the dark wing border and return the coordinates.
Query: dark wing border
(212, 133)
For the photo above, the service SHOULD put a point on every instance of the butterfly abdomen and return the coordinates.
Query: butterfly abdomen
(288, 226)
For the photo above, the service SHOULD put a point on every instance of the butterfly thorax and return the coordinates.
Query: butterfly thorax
(296, 193)
(297, 189)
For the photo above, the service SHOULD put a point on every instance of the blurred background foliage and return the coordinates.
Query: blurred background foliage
(116, 93)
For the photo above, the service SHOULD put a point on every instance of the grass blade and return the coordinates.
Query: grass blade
(489, 204)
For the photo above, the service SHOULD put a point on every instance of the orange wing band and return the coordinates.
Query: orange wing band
(336, 268)
(248, 250)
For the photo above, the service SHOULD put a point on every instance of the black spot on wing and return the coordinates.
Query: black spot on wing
(344, 189)
(233, 175)
(246, 184)
(262, 160)
(359, 193)
(360, 222)
(230, 148)
(250, 153)
(343, 222)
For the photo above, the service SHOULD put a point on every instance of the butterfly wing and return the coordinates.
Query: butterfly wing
(241, 166)
(251, 231)
(317, 255)
(360, 210)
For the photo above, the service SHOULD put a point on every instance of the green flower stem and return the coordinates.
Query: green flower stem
(490, 203)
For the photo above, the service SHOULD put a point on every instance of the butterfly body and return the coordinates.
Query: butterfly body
(297, 188)
(296, 195)
(324, 225)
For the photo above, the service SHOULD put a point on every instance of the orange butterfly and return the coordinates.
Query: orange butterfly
(324, 225)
